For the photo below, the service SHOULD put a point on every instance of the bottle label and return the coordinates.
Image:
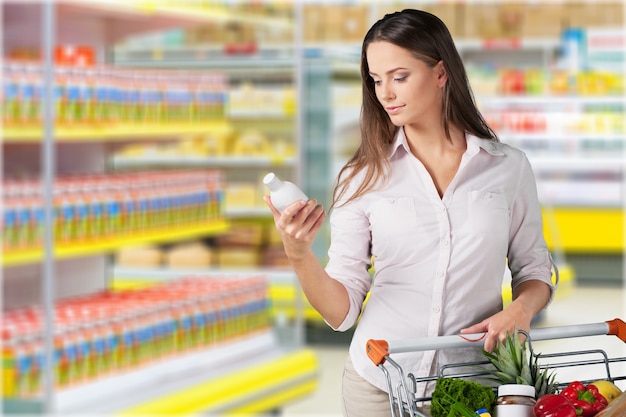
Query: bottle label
(514, 410)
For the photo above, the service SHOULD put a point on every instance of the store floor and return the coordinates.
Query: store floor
(578, 305)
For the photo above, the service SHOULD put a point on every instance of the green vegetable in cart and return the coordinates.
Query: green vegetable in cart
(515, 364)
(455, 397)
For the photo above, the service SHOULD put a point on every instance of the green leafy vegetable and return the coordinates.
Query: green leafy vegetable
(469, 394)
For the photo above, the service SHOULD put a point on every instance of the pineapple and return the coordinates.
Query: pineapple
(514, 364)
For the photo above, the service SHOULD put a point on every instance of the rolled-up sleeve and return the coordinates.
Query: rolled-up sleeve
(350, 257)
(528, 256)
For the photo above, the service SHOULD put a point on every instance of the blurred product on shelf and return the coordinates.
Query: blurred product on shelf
(243, 235)
(92, 208)
(140, 256)
(491, 81)
(593, 120)
(257, 100)
(244, 245)
(251, 143)
(115, 331)
(75, 55)
(251, 245)
(227, 143)
(335, 23)
(181, 255)
(208, 144)
(189, 255)
(242, 195)
(104, 95)
(237, 257)
(469, 20)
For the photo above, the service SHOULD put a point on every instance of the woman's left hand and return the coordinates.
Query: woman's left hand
(529, 298)
(497, 326)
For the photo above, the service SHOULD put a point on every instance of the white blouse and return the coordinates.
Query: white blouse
(439, 261)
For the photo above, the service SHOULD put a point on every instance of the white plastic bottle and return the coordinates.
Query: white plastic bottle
(283, 193)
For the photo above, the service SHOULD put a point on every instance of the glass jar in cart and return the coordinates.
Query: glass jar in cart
(515, 401)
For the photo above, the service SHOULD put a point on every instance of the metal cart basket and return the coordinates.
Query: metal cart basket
(404, 401)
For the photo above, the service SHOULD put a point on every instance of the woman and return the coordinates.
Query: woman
(435, 201)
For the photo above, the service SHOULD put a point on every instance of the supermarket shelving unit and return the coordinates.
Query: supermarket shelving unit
(269, 64)
(272, 66)
(258, 373)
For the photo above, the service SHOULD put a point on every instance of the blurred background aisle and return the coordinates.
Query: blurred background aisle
(164, 286)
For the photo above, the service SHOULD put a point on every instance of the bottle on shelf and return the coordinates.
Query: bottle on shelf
(282, 193)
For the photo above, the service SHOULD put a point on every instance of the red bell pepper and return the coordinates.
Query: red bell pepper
(553, 405)
(585, 398)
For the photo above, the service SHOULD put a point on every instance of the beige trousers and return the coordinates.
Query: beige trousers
(360, 398)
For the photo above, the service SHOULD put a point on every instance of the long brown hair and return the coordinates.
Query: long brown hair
(429, 40)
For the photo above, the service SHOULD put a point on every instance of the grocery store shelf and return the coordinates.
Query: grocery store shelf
(247, 212)
(261, 388)
(546, 99)
(276, 59)
(561, 137)
(283, 285)
(353, 49)
(74, 250)
(125, 18)
(125, 161)
(476, 44)
(580, 163)
(116, 132)
(252, 374)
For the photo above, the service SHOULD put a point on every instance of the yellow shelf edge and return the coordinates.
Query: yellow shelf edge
(582, 230)
(115, 132)
(280, 374)
(62, 251)
(270, 402)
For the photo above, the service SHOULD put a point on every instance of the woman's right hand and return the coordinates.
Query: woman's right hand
(298, 225)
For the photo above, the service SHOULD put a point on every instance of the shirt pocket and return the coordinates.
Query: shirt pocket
(489, 213)
(391, 217)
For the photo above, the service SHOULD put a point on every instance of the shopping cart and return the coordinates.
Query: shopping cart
(403, 399)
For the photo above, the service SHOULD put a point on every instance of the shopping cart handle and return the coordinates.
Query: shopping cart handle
(617, 327)
(377, 350)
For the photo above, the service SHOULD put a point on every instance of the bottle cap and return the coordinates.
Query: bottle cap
(269, 177)
(516, 389)
(271, 181)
